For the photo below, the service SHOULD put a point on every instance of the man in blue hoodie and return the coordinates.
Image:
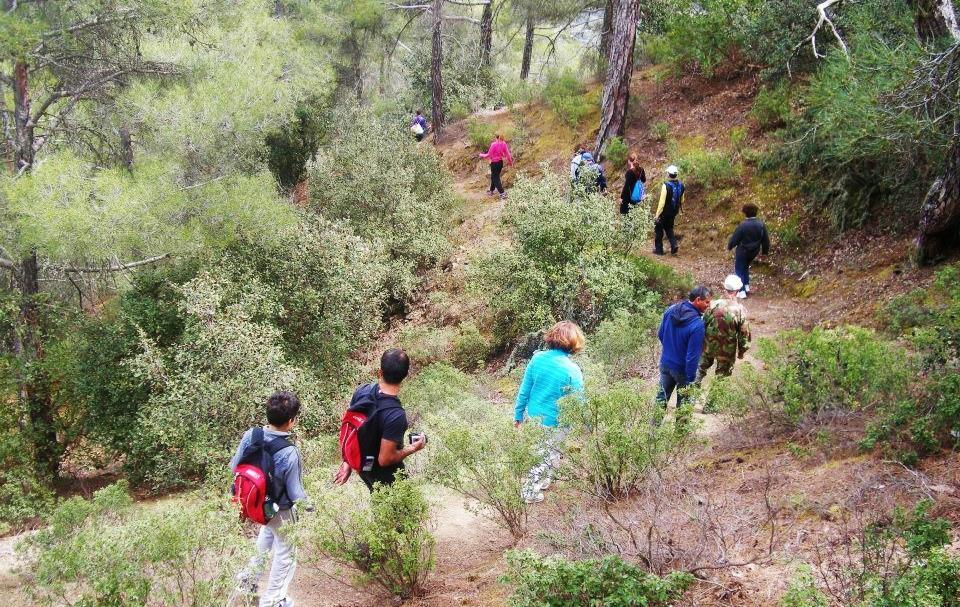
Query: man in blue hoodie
(681, 334)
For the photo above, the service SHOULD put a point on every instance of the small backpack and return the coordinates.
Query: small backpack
(638, 192)
(256, 489)
(359, 429)
(673, 200)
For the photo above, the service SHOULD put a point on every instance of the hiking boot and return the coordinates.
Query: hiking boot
(287, 602)
(741, 295)
(544, 484)
(503, 196)
(245, 585)
(656, 252)
(674, 251)
(746, 288)
(535, 498)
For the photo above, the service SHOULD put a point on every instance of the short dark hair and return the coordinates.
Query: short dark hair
(699, 291)
(394, 365)
(282, 406)
(750, 209)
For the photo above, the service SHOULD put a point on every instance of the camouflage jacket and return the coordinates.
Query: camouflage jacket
(726, 329)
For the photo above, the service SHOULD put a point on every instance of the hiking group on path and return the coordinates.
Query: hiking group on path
(695, 334)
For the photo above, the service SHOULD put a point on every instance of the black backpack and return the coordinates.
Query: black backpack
(260, 453)
(674, 198)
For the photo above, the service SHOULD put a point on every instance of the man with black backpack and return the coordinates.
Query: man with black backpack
(373, 427)
(671, 202)
(267, 484)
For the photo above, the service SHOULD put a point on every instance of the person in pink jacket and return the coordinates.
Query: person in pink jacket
(498, 153)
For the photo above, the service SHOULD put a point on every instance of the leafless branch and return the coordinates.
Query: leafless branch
(114, 266)
(824, 18)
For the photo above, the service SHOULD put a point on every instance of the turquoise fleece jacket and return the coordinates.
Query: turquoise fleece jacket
(550, 376)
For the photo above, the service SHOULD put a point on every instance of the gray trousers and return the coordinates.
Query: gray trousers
(272, 539)
(541, 474)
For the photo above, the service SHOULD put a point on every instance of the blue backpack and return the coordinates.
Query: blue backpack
(638, 192)
(674, 198)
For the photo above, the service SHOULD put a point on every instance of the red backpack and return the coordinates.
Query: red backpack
(359, 429)
(256, 489)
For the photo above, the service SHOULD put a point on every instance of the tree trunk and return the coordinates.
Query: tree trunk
(436, 71)
(527, 49)
(486, 34)
(605, 31)
(22, 126)
(935, 19)
(33, 392)
(940, 213)
(616, 89)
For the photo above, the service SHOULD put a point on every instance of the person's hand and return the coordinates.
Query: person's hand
(516, 424)
(418, 444)
(342, 474)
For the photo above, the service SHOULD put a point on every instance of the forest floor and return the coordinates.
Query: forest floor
(796, 494)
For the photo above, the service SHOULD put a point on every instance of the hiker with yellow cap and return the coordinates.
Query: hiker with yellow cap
(726, 333)
(671, 201)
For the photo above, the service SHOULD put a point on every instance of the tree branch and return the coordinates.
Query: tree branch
(825, 18)
(113, 267)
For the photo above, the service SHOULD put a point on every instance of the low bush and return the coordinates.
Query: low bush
(708, 168)
(662, 278)
(661, 130)
(927, 419)
(480, 133)
(625, 341)
(470, 348)
(426, 345)
(803, 591)
(551, 581)
(564, 93)
(387, 543)
(566, 260)
(771, 107)
(706, 35)
(479, 454)
(619, 438)
(436, 388)
(106, 551)
(616, 152)
(903, 559)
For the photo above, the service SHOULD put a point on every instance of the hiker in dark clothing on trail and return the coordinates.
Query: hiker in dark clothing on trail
(631, 195)
(681, 333)
(749, 239)
(386, 426)
(671, 202)
(590, 173)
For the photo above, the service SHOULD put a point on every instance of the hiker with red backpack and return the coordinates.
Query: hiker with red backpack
(267, 485)
(373, 427)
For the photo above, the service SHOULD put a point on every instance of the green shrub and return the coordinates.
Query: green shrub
(564, 93)
(662, 278)
(813, 372)
(438, 387)
(478, 453)
(470, 348)
(771, 107)
(211, 386)
(803, 592)
(618, 440)
(927, 419)
(373, 175)
(617, 152)
(292, 146)
(661, 130)
(625, 341)
(565, 260)
(426, 345)
(655, 49)
(387, 543)
(556, 582)
(106, 551)
(480, 133)
(709, 168)
(704, 35)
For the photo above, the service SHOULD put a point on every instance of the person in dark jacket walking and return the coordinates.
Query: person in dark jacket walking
(681, 334)
(749, 239)
(634, 174)
(671, 201)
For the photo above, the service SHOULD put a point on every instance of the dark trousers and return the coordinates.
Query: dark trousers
(671, 380)
(664, 226)
(741, 266)
(495, 169)
(624, 207)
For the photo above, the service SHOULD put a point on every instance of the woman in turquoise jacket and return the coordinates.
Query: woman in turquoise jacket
(550, 375)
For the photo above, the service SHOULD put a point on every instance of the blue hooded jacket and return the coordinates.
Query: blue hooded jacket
(681, 333)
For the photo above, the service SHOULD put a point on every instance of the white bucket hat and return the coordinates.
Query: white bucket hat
(732, 283)
(672, 170)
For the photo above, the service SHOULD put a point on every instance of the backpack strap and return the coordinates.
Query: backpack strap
(276, 445)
